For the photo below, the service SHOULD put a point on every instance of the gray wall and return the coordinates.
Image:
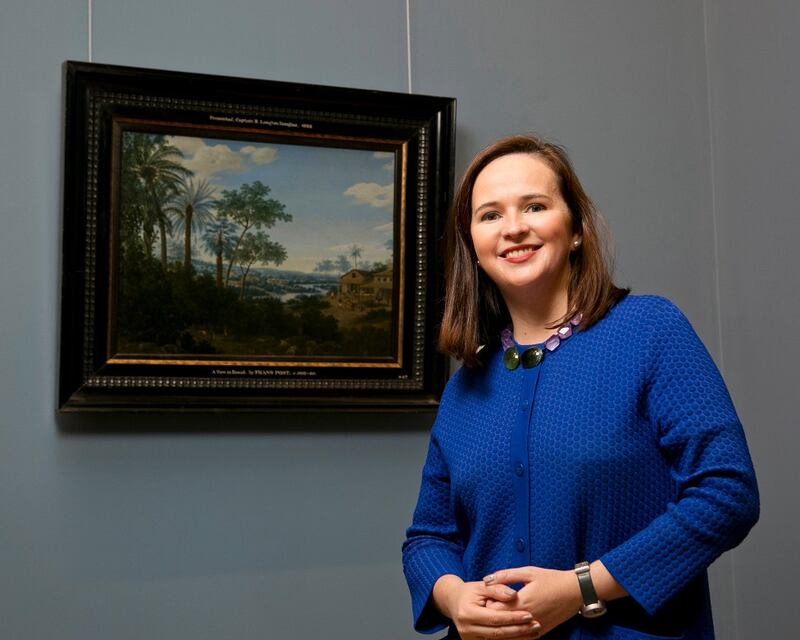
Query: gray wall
(680, 118)
(754, 94)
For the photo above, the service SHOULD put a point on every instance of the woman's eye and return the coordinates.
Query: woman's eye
(489, 215)
(535, 206)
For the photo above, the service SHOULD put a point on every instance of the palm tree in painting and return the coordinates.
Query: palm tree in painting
(193, 208)
(219, 238)
(355, 254)
(157, 175)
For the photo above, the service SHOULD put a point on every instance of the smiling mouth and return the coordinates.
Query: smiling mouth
(518, 252)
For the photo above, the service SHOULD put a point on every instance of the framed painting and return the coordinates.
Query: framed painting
(242, 244)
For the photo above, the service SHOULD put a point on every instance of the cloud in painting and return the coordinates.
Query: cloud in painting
(260, 155)
(372, 194)
(385, 228)
(385, 155)
(206, 160)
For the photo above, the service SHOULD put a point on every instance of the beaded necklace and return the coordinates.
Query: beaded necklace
(533, 356)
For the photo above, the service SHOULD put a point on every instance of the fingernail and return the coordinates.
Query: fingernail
(489, 578)
(536, 625)
(509, 591)
(528, 617)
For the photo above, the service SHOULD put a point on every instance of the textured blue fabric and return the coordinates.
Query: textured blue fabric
(622, 445)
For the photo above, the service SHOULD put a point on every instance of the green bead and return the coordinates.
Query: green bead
(532, 357)
(511, 358)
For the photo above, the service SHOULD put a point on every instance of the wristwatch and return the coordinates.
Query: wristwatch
(592, 605)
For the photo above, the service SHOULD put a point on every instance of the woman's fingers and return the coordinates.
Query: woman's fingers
(507, 632)
(499, 592)
(502, 606)
(486, 612)
(484, 617)
(510, 576)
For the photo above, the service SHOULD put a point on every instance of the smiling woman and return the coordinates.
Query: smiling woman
(522, 234)
(545, 183)
(587, 461)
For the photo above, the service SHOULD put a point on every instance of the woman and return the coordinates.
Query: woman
(587, 426)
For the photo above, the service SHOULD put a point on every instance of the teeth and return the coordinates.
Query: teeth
(518, 252)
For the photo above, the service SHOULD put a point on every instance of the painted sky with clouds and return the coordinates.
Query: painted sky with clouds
(337, 197)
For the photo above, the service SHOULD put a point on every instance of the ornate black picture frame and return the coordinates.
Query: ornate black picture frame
(243, 244)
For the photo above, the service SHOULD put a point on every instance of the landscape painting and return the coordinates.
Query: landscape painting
(238, 244)
(240, 248)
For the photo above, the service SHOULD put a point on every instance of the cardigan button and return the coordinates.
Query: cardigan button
(519, 468)
(520, 544)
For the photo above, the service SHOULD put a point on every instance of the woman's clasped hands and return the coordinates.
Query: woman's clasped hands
(484, 610)
(552, 596)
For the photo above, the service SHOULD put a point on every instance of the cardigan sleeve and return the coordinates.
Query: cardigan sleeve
(701, 437)
(433, 545)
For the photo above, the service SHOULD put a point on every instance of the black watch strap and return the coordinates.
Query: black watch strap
(592, 605)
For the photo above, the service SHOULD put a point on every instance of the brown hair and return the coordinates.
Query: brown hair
(474, 310)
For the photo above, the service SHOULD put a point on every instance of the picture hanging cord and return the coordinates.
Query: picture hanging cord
(408, 42)
(89, 29)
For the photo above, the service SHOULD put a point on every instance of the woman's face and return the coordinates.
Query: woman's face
(521, 227)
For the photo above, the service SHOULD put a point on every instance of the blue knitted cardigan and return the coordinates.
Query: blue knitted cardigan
(622, 445)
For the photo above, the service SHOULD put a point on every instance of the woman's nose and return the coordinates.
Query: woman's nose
(514, 225)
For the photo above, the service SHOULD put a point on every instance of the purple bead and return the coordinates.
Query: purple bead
(507, 338)
(576, 319)
(564, 332)
(552, 343)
